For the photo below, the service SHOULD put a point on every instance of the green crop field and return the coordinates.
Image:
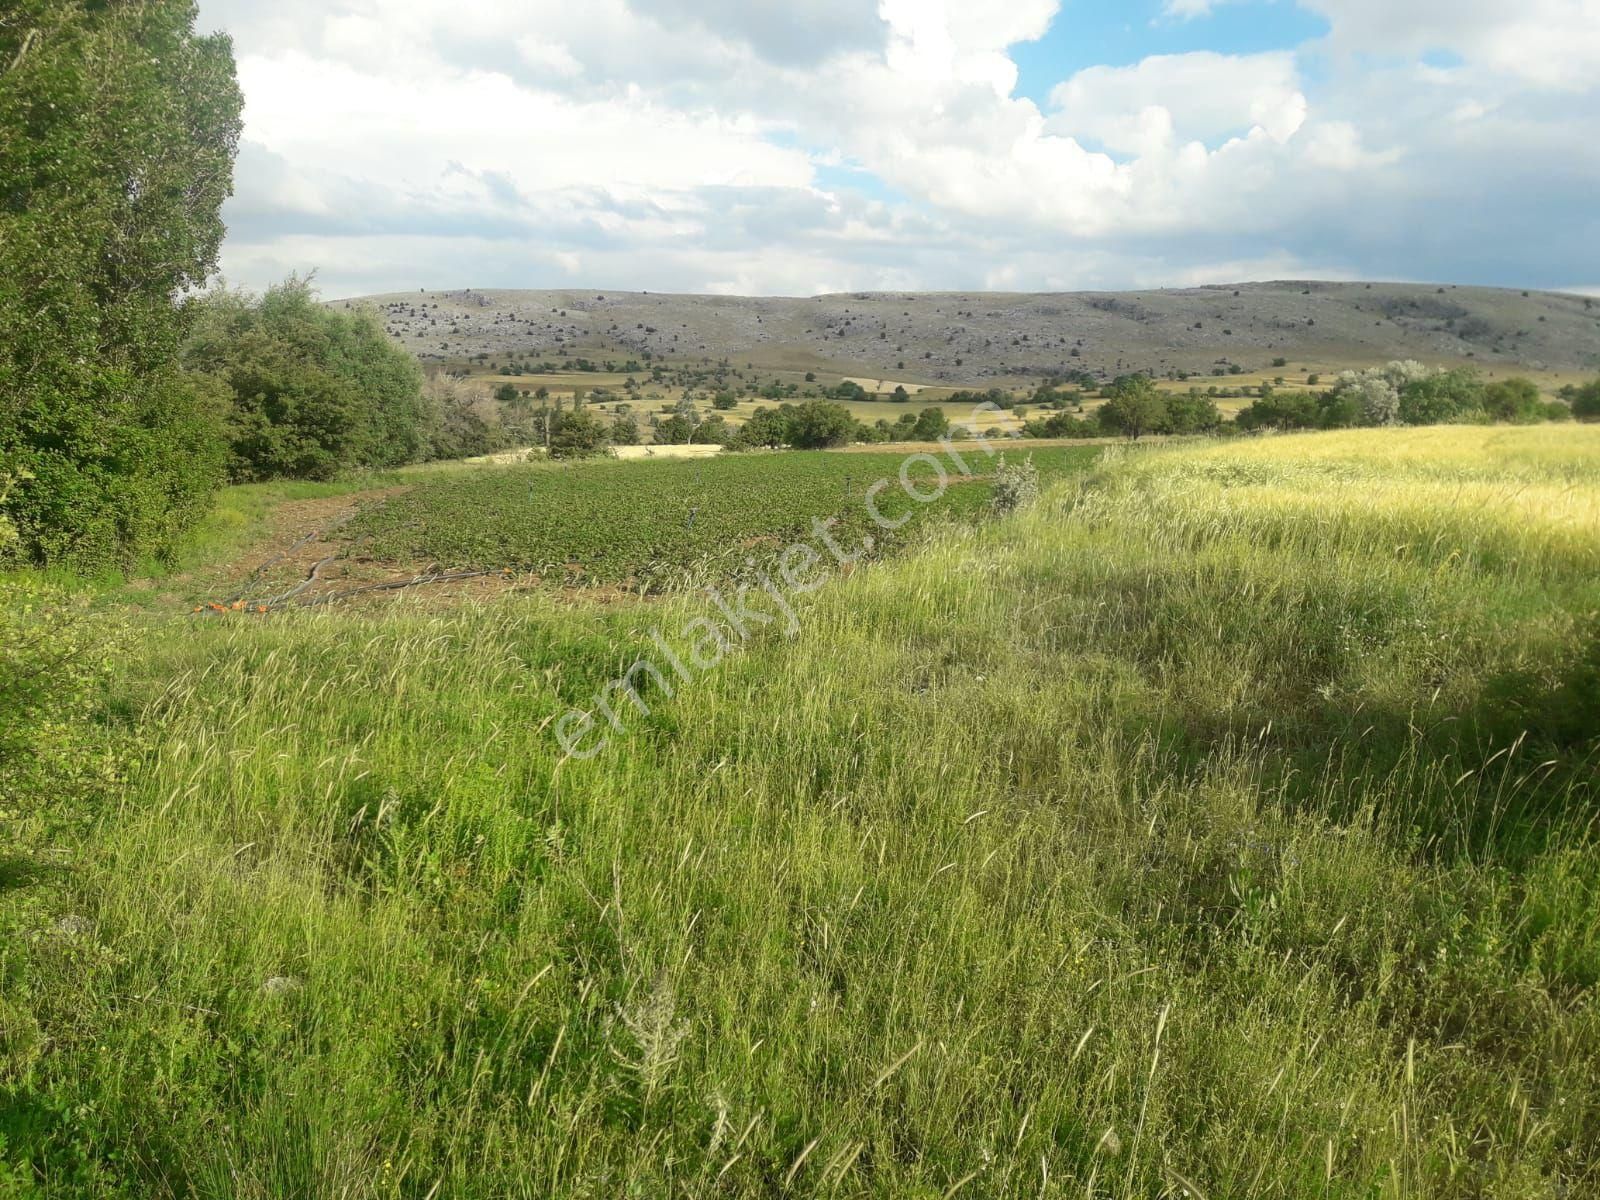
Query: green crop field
(1221, 825)
(654, 524)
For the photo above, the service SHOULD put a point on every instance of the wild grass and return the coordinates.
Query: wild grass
(1221, 825)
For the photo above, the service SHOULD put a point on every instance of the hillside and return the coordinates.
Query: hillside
(971, 338)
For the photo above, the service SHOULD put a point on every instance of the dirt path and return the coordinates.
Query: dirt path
(305, 557)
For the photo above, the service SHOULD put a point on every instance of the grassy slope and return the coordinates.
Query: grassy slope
(1178, 830)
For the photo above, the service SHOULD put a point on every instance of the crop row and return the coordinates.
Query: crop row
(656, 524)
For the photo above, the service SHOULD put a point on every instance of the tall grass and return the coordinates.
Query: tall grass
(1221, 825)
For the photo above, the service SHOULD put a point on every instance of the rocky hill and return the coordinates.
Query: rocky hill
(969, 338)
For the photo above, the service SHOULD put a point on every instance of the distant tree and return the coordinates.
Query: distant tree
(1440, 397)
(578, 434)
(1059, 425)
(625, 430)
(1376, 391)
(932, 424)
(714, 431)
(1134, 407)
(1514, 400)
(454, 429)
(819, 423)
(1586, 402)
(674, 430)
(1191, 413)
(723, 401)
(1338, 410)
(900, 395)
(1280, 410)
(507, 393)
(767, 427)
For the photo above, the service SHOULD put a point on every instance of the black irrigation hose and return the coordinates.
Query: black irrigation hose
(272, 562)
(314, 535)
(314, 576)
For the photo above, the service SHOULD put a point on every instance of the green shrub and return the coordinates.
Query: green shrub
(310, 391)
(1015, 487)
(54, 659)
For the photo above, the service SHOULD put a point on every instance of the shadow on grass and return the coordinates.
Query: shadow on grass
(18, 871)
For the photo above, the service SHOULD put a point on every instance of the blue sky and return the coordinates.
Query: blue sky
(1087, 35)
(800, 146)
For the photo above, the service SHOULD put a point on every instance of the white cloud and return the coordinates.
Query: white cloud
(1550, 43)
(685, 143)
(1191, 97)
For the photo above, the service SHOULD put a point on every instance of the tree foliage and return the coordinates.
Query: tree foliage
(1586, 402)
(816, 424)
(309, 390)
(1135, 407)
(118, 129)
(578, 434)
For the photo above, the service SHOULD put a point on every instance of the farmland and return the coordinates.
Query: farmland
(655, 524)
(1226, 817)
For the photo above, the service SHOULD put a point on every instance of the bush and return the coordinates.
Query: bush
(9, 537)
(54, 659)
(310, 391)
(1015, 487)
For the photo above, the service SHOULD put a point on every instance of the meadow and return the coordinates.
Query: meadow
(1221, 825)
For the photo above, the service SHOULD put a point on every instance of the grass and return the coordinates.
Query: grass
(661, 524)
(1222, 825)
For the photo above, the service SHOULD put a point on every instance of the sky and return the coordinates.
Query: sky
(796, 147)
